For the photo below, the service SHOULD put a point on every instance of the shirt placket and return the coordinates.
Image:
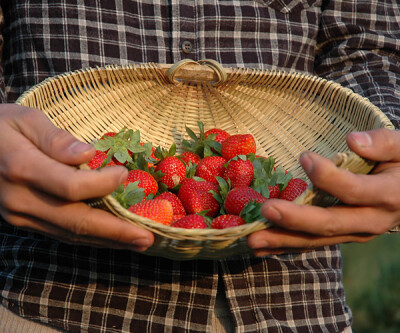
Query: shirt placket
(184, 36)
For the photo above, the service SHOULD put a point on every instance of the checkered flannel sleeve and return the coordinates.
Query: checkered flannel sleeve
(359, 47)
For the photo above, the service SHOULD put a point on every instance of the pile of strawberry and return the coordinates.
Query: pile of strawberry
(217, 182)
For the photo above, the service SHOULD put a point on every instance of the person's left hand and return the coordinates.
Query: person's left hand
(372, 202)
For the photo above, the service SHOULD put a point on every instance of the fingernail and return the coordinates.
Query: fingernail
(273, 214)
(140, 244)
(363, 139)
(78, 147)
(306, 162)
(123, 176)
(259, 244)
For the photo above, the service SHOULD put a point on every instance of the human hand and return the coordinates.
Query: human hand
(372, 202)
(41, 190)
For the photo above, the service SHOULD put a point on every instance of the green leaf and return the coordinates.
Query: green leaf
(172, 150)
(207, 151)
(133, 137)
(103, 144)
(216, 146)
(107, 160)
(192, 134)
(185, 143)
(122, 155)
(148, 149)
(130, 195)
(135, 148)
(251, 212)
(201, 128)
(211, 137)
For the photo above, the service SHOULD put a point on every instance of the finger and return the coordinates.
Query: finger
(59, 179)
(52, 141)
(331, 221)
(35, 165)
(75, 218)
(377, 145)
(49, 230)
(279, 241)
(354, 189)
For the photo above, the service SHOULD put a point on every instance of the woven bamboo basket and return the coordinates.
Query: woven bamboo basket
(286, 112)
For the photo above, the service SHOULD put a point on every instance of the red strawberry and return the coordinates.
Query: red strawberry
(238, 144)
(240, 172)
(190, 157)
(192, 221)
(146, 181)
(274, 191)
(98, 159)
(227, 221)
(221, 134)
(196, 197)
(112, 134)
(190, 184)
(174, 171)
(157, 210)
(294, 188)
(210, 167)
(238, 197)
(177, 206)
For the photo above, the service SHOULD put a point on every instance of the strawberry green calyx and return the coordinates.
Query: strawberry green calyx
(251, 212)
(130, 195)
(265, 175)
(223, 189)
(200, 144)
(191, 170)
(121, 146)
(161, 153)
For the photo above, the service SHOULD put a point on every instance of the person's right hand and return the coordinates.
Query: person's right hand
(41, 190)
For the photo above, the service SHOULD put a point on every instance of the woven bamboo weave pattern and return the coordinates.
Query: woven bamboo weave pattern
(286, 112)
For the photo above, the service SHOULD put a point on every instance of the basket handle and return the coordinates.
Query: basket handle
(196, 71)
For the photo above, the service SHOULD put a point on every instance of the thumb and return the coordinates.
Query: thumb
(379, 145)
(53, 141)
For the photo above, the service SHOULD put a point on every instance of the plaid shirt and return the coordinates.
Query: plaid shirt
(84, 289)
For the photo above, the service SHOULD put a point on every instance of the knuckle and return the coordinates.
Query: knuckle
(11, 203)
(81, 228)
(72, 190)
(28, 115)
(330, 228)
(380, 229)
(392, 202)
(56, 138)
(391, 141)
(353, 190)
(14, 167)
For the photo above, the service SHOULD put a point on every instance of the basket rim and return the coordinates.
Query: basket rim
(210, 74)
(160, 74)
(209, 233)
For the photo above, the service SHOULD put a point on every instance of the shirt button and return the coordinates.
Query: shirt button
(187, 47)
